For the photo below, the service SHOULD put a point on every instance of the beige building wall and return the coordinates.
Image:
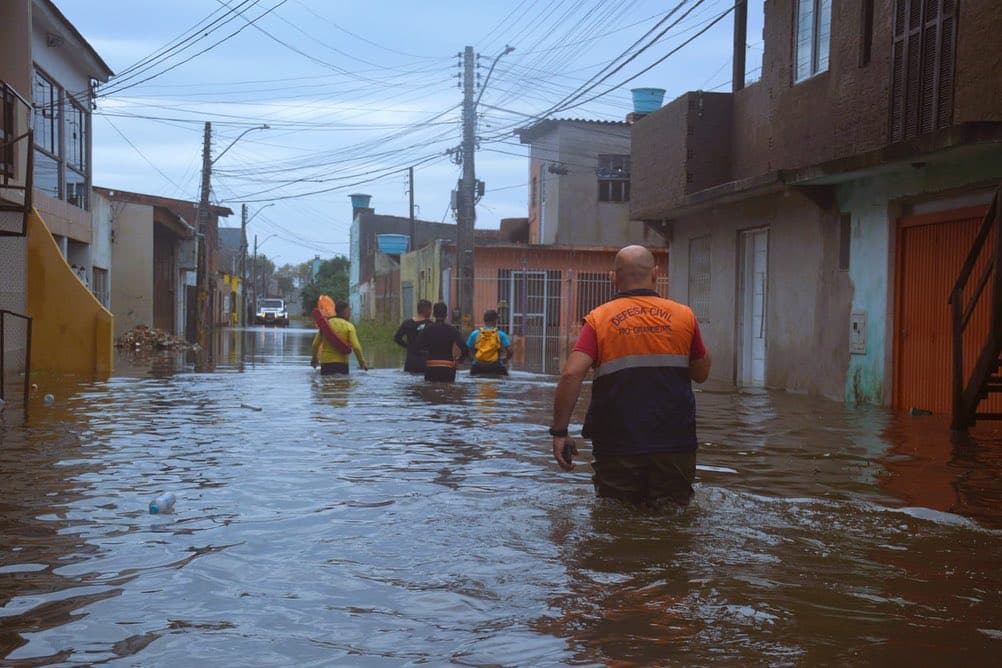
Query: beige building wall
(132, 258)
(564, 207)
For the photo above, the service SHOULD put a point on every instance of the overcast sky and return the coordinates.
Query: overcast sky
(355, 92)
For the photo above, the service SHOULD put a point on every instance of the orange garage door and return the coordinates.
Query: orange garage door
(930, 253)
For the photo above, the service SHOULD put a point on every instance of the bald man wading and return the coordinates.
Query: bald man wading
(645, 351)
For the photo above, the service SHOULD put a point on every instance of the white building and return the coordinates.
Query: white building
(65, 69)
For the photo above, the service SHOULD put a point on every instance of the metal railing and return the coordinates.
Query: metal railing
(3, 353)
(968, 392)
(17, 158)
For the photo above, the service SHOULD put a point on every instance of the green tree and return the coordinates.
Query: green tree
(331, 280)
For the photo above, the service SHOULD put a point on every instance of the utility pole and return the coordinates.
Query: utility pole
(254, 274)
(243, 263)
(740, 45)
(204, 293)
(466, 211)
(410, 176)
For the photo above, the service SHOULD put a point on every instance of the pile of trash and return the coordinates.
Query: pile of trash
(145, 338)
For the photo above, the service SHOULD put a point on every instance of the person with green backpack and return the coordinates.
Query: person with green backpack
(487, 343)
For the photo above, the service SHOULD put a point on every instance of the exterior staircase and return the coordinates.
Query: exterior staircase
(16, 155)
(976, 362)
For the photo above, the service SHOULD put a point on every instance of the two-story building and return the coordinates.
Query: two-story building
(48, 72)
(579, 184)
(818, 218)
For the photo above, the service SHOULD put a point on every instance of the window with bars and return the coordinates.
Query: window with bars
(528, 299)
(100, 287)
(613, 178)
(812, 41)
(922, 63)
(699, 278)
(594, 289)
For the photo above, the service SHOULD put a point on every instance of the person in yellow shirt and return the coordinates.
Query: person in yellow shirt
(327, 354)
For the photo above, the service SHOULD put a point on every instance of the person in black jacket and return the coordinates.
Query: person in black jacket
(441, 339)
(407, 337)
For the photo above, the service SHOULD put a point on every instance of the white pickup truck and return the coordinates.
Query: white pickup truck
(272, 312)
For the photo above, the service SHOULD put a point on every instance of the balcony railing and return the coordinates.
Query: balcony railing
(16, 161)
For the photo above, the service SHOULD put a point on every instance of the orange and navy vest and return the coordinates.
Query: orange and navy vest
(641, 398)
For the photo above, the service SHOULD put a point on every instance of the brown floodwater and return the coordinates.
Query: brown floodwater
(377, 520)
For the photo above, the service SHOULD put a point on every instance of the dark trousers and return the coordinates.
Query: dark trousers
(332, 368)
(491, 369)
(414, 363)
(440, 374)
(646, 480)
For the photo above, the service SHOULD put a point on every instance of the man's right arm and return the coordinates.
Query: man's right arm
(398, 338)
(568, 388)
(699, 356)
(699, 370)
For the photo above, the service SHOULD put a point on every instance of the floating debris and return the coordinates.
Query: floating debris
(48, 400)
(146, 338)
(253, 408)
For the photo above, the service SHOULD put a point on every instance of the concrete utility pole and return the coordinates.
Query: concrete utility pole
(204, 310)
(254, 274)
(466, 209)
(410, 190)
(740, 45)
(243, 263)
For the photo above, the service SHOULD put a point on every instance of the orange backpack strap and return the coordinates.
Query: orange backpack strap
(336, 342)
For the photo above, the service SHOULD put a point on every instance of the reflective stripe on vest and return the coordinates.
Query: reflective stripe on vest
(641, 361)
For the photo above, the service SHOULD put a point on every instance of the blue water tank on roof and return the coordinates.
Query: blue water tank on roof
(360, 200)
(647, 100)
(392, 244)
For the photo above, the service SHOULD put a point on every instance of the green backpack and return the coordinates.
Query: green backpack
(488, 346)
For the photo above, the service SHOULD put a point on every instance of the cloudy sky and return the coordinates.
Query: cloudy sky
(355, 92)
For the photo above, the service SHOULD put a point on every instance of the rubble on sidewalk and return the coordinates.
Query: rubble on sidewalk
(145, 338)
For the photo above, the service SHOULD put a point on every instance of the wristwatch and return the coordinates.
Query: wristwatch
(558, 432)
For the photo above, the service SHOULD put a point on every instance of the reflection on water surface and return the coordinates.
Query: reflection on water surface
(378, 520)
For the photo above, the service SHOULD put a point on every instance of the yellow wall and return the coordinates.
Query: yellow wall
(422, 269)
(70, 332)
(234, 287)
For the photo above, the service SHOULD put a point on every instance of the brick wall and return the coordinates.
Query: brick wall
(978, 78)
(781, 125)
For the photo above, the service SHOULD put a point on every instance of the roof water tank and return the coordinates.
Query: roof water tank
(360, 200)
(647, 100)
(392, 244)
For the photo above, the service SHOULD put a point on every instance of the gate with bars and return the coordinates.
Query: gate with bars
(541, 308)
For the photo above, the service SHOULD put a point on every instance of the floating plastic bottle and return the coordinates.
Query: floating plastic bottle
(163, 503)
(48, 400)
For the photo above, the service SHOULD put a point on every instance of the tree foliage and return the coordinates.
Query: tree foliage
(331, 280)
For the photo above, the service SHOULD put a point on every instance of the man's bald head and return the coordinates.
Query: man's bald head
(634, 268)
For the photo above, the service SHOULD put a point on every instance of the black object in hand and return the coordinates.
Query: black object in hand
(568, 451)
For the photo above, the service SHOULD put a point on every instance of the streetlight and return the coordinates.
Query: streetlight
(206, 296)
(264, 126)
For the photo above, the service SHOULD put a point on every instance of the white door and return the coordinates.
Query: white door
(754, 299)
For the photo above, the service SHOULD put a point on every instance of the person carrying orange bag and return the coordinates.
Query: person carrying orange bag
(335, 339)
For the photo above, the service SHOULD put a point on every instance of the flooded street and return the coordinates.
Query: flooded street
(377, 520)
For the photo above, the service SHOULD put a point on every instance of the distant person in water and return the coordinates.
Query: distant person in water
(488, 344)
(407, 337)
(335, 341)
(441, 340)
